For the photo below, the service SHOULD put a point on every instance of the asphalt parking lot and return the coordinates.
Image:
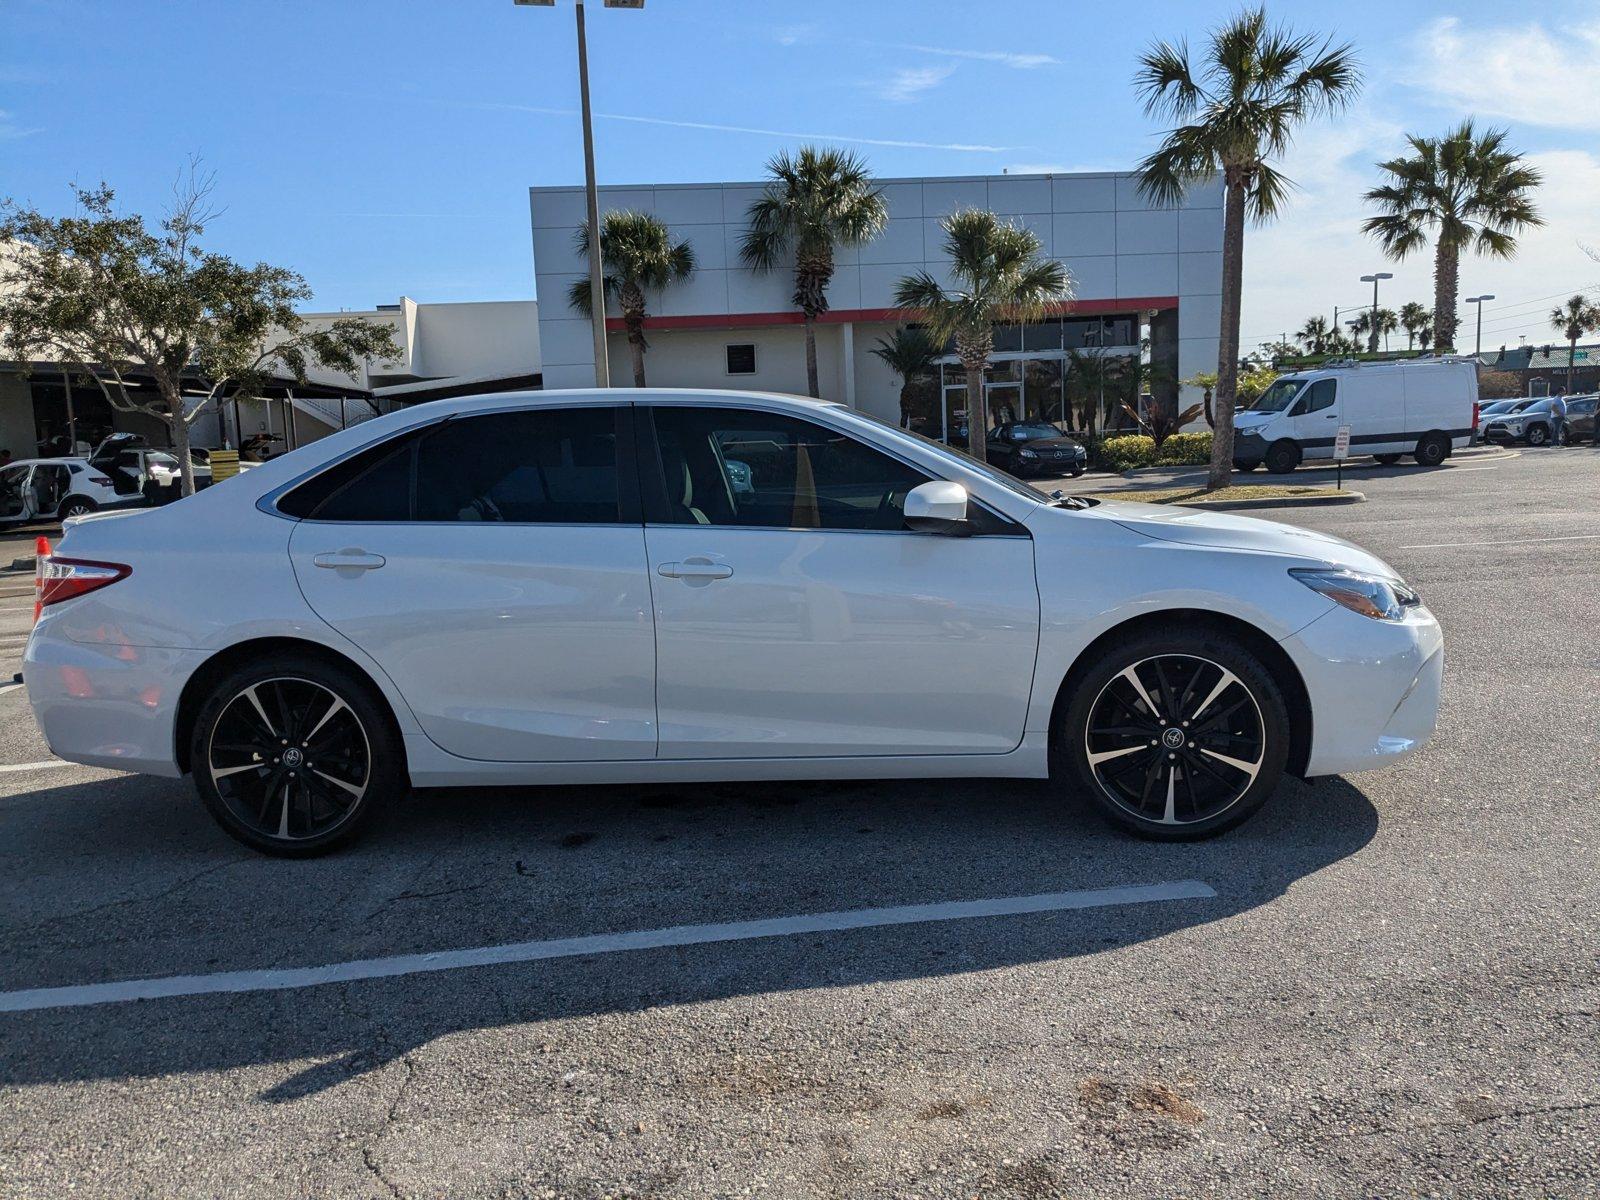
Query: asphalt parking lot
(1383, 986)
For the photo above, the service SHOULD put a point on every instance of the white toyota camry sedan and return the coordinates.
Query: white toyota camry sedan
(648, 586)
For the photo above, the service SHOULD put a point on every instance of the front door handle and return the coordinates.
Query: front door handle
(349, 559)
(697, 571)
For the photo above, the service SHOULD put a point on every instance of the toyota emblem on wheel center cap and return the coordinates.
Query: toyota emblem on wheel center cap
(292, 756)
(1172, 738)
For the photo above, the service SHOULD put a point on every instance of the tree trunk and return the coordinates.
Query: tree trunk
(1221, 473)
(811, 358)
(905, 405)
(636, 346)
(977, 413)
(1446, 265)
(1210, 420)
(1572, 353)
(178, 428)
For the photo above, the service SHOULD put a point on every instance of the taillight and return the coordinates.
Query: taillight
(58, 579)
(100, 480)
(1476, 406)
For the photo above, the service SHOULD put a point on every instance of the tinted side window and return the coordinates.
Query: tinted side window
(343, 492)
(547, 466)
(725, 466)
(1318, 396)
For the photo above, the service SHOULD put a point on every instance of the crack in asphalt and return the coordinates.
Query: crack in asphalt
(180, 885)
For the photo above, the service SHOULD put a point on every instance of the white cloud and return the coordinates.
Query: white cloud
(911, 83)
(1006, 58)
(1312, 257)
(1521, 72)
(10, 130)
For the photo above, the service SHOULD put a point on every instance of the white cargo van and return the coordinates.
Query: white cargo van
(1425, 407)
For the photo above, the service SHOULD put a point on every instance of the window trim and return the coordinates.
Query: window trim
(628, 499)
(653, 480)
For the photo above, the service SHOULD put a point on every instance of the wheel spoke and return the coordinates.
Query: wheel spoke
(337, 782)
(334, 709)
(1107, 755)
(1227, 680)
(1132, 676)
(1249, 769)
(255, 702)
(224, 772)
(1170, 817)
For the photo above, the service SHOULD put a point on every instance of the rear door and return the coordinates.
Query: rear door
(798, 617)
(494, 566)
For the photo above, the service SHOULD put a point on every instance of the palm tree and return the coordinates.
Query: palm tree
(998, 276)
(910, 353)
(1466, 187)
(1417, 321)
(1578, 316)
(815, 203)
(1384, 322)
(1237, 107)
(1313, 335)
(1364, 335)
(637, 256)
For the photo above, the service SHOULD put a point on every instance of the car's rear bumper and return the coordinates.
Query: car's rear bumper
(1374, 687)
(107, 704)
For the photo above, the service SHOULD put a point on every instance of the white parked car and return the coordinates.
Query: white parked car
(43, 489)
(573, 587)
(1424, 407)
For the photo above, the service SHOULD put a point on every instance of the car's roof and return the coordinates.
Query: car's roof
(628, 395)
(47, 462)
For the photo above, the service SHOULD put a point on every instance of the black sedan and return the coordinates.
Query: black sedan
(1035, 448)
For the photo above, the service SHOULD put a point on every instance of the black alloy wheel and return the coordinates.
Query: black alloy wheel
(1179, 738)
(292, 761)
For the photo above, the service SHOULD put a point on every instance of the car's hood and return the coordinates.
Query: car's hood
(1060, 443)
(1247, 420)
(1195, 527)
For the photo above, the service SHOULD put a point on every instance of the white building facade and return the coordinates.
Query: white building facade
(1135, 267)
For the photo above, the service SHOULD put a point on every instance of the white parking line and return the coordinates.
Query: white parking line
(603, 943)
(50, 764)
(1570, 537)
(9, 687)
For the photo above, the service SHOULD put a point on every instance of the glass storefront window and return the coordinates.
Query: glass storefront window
(1041, 390)
(1045, 335)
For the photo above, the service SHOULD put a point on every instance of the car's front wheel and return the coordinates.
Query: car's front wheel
(1178, 735)
(1386, 460)
(1282, 457)
(293, 755)
(1537, 435)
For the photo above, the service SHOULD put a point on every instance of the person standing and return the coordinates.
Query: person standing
(1558, 419)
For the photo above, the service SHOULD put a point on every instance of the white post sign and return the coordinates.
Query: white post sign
(1341, 443)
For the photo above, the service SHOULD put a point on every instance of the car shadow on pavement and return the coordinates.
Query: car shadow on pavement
(125, 878)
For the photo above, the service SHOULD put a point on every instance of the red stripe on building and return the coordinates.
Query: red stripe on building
(840, 316)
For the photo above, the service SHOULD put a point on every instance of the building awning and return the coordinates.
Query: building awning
(457, 385)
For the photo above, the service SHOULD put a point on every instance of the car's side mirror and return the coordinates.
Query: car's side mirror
(938, 506)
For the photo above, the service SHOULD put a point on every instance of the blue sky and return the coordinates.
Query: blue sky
(386, 148)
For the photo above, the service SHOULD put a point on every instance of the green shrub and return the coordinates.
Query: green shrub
(1185, 450)
(1128, 451)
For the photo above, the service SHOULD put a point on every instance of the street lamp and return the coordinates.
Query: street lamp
(1477, 346)
(1372, 341)
(597, 291)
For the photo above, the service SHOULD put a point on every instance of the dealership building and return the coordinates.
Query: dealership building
(1138, 270)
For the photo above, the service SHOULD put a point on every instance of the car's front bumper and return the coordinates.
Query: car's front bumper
(1374, 687)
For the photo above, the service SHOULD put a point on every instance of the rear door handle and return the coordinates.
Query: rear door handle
(349, 560)
(695, 570)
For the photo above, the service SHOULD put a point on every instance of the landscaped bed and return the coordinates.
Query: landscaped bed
(1227, 495)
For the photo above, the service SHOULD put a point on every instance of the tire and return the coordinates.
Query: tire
(1075, 472)
(1432, 449)
(1282, 457)
(76, 506)
(1239, 465)
(320, 809)
(1537, 435)
(1169, 790)
(1386, 460)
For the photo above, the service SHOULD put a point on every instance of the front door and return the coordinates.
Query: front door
(494, 567)
(15, 497)
(1314, 420)
(796, 616)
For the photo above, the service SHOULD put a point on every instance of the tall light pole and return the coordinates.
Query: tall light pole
(1372, 339)
(597, 291)
(1477, 345)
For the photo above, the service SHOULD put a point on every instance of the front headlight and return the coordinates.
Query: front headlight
(1027, 454)
(1375, 596)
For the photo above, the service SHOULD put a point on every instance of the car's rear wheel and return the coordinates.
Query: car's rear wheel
(1386, 460)
(76, 506)
(293, 756)
(1178, 735)
(1282, 457)
(1432, 449)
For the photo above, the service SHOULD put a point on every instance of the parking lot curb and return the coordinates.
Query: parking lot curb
(1350, 497)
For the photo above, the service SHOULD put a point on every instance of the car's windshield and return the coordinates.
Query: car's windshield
(1277, 397)
(1498, 406)
(1024, 431)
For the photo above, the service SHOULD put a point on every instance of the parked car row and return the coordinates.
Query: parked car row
(1531, 421)
(121, 472)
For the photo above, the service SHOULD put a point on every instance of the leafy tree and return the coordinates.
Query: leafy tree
(637, 256)
(113, 300)
(815, 203)
(1384, 322)
(1470, 191)
(1237, 106)
(999, 276)
(1498, 385)
(1417, 321)
(1255, 379)
(911, 354)
(1206, 381)
(1092, 376)
(1578, 316)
